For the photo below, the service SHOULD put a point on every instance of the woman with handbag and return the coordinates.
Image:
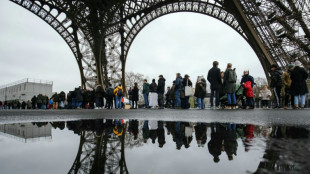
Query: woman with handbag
(187, 88)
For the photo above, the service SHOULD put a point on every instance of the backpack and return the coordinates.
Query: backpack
(119, 92)
(232, 76)
(109, 92)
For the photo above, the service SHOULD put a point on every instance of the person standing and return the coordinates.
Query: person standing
(214, 78)
(118, 92)
(146, 91)
(265, 95)
(99, 93)
(109, 96)
(230, 79)
(168, 99)
(79, 97)
(177, 90)
(186, 82)
(55, 99)
(135, 96)
(200, 92)
(161, 91)
(276, 83)
(286, 77)
(130, 97)
(172, 95)
(34, 102)
(248, 89)
(153, 94)
(62, 98)
(299, 86)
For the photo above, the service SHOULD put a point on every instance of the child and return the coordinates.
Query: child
(265, 95)
(249, 95)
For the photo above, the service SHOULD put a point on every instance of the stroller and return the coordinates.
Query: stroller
(239, 97)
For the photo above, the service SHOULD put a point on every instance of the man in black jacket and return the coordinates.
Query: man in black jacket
(214, 77)
(161, 91)
(276, 83)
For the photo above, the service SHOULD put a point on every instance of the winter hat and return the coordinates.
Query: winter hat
(290, 66)
(274, 66)
(298, 63)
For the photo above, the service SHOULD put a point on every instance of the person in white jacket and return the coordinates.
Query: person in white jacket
(265, 95)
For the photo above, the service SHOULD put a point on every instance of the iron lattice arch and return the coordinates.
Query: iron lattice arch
(100, 32)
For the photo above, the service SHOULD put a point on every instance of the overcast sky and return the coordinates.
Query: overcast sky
(182, 42)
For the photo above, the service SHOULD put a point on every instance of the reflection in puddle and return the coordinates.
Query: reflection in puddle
(27, 131)
(150, 146)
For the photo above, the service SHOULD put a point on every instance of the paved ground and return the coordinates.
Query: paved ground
(257, 116)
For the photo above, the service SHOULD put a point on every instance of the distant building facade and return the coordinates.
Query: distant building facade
(25, 89)
(26, 131)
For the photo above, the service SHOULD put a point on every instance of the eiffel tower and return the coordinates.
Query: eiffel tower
(100, 32)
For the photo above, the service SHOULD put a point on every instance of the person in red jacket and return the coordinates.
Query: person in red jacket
(249, 95)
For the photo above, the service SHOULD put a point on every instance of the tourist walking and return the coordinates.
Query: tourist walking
(299, 86)
(153, 94)
(230, 78)
(214, 78)
(135, 96)
(146, 91)
(276, 83)
(161, 91)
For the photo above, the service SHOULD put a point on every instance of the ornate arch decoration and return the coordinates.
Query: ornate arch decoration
(135, 25)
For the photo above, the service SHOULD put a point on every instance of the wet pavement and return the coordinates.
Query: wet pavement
(154, 141)
(256, 116)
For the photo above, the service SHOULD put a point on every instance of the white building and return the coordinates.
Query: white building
(25, 89)
(26, 131)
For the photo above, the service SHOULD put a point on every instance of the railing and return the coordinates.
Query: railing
(27, 80)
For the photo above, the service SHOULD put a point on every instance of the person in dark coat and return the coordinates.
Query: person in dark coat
(62, 98)
(299, 86)
(215, 143)
(168, 99)
(177, 90)
(153, 99)
(276, 83)
(214, 78)
(201, 134)
(230, 86)
(161, 134)
(130, 97)
(135, 96)
(34, 102)
(161, 91)
(79, 97)
(55, 99)
(200, 92)
(109, 96)
(146, 91)
(186, 82)
(99, 94)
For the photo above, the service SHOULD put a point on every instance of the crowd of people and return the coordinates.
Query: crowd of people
(225, 90)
